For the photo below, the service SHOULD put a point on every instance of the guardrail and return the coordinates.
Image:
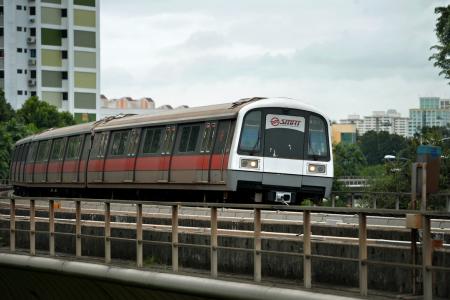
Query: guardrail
(388, 200)
(258, 235)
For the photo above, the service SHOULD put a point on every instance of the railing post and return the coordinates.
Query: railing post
(333, 201)
(353, 199)
(375, 202)
(423, 204)
(175, 238)
(51, 227)
(448, 203)
(32, 227)
(139, 244)
(107, 232)
(397, 202)
(12, 225)
(257, 245)
(213, 242)
(78, 228)
(307, 249)
(363, 254)
(427, 259)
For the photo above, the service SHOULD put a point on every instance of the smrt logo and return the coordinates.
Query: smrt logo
(275, 121)
(284, 122)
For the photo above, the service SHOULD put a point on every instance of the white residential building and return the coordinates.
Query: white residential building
(51, 49)
(390, 121)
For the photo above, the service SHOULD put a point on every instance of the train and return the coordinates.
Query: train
(271, 150)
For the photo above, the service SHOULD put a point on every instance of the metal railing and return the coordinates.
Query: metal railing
(214, 232)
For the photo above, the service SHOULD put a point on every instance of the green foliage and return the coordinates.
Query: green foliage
(348, 160)
(375, 145)
(6, 111)
(441, 57)
(43, 115)
(33, 117)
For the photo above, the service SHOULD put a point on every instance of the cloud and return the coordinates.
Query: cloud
(359, 54)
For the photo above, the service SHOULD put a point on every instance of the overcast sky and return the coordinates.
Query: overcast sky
(341, 56)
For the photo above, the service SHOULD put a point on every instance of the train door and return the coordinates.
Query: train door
(23, 160)
(133, 145)
(284, 136)
(96, 161)
(221, 150)
(166, 153)
(55, 165)
(72, 159)
(209, 135)
(84, 158)
(29, 166)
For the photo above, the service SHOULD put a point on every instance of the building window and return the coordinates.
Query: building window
(25, 50)
(84, 2)
(2, 74)
(32, 11)
(84, 39)
(19, 92)
(33, 74)
(26, 93)
(19, 71)
(1, 31)
(33, 93)
(19, 28)
(65, 96)
(32, 31)
(19, 50)
(33, 52)
(19, 7)
(64, 13)
(64, 54)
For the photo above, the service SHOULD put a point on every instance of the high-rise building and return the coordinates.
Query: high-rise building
(51, 49)
(390, 121)
(433, 112)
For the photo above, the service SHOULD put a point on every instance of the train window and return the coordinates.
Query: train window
(87, 147)
(133, 142)
(284, 135)
(189, 138)
(168, 139)
(223, 134)
(317, 140)
(251, 134)
(57, 149)
(32, 152)
(152, 140)
(100, 143)
(43, 151)
(74, 147)
(119, 143)
(208, 137)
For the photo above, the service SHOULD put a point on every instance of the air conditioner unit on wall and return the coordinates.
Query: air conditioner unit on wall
(31, 39)
(32, 62)
(32, 20)
(32, 82)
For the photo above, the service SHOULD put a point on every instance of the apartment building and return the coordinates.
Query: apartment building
(51, 49)
(390, 121)
(433, 112)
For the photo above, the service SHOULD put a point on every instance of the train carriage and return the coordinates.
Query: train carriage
(278, 148)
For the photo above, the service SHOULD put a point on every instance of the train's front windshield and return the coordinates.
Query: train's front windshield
(280, 133)
(284, 136)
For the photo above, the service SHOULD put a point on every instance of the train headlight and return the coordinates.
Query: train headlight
(313, 168)
(250, 163)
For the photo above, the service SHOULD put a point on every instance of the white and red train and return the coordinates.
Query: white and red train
(275, 147)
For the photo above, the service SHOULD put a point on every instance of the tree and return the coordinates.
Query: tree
(441, 57)
(375, 145)
(6, 111)
(34, 116)
(43, 115)
(348, 160)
